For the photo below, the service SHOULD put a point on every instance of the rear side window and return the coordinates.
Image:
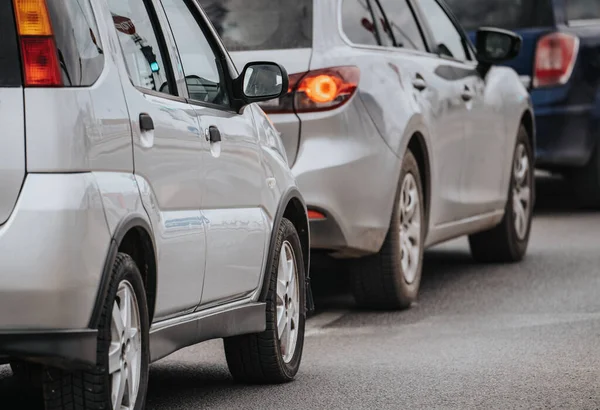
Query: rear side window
(80, 52)
(583, 10)
(246, 25)
(403, 24)
(10, 64)
(139, 42)
(359, 23)
(506, 14)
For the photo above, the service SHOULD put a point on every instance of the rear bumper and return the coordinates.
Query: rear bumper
(52, 253)
(346, 170)
(68, 349)
(566, 135)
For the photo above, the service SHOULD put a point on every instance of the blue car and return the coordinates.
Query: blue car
(560, 64)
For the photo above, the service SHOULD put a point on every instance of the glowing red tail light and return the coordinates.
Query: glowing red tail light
(554, 59)
(41, 66)
(317, 90)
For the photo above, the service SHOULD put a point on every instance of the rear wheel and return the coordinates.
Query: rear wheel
(390, 279)
(120, 378)
(508, 241)
(273, 356)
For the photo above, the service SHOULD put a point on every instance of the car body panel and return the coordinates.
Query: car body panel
(348, 156)
(53, 248)
(12, 153)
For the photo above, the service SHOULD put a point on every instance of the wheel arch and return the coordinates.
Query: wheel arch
(418, 147)
(292, 207)
(132, 236)
(528, 121)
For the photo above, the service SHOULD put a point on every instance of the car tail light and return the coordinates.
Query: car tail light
(554, 59)
(38, 49)
(317, 90)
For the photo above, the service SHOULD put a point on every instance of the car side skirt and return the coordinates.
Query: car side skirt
(243, 317)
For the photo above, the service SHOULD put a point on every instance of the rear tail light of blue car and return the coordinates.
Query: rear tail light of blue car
(555, 58)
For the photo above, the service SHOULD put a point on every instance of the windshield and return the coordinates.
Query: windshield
(506, 14)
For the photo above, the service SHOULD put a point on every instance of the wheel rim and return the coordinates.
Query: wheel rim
(288, 302)
(125, 352)
(410, 228)
(521, 192)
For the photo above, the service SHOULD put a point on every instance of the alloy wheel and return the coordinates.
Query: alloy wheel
(125, 352)
(288, 302)
(521, 191)
(410, 228)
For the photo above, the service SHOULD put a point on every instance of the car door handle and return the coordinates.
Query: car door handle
(419, 83)
(146, 123)
(467, 94)
(213, 134)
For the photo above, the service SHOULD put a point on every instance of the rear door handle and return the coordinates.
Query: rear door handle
(213, 134)
(146, 123)
(419, 83)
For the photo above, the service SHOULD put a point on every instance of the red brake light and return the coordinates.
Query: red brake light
(554, 59)
(317, 90)
(40, 58)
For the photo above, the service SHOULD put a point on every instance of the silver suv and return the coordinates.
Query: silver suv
(401, 133)
(146, 204)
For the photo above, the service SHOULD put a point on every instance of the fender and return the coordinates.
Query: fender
(291, 193)
(124, 226)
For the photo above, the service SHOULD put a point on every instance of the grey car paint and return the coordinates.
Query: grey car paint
(91, 170)
(347, 161)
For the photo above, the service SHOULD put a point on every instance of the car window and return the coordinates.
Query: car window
(583, 9)
(140, 46)
(403, 24)
(506, 14)
(448, 40)
(199, 62)
(77, 41)
(358, 23)
(382, 25)
(262, 24)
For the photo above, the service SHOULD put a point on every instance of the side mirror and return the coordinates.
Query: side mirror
(496, 46)
(261, 81)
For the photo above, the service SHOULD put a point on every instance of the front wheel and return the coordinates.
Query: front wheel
(508, 241)
(120, 378)
(273, 356)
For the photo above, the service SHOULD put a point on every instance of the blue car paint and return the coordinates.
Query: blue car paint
(567, 116)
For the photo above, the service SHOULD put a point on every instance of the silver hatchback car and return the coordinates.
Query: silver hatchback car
(146, 204)
(400, 132)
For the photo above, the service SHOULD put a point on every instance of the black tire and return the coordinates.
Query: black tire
(28, 374)
(378, 280)
(502, 244)
(91, 390)
(258, 358)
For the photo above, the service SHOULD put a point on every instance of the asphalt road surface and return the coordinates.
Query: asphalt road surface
(504, 337)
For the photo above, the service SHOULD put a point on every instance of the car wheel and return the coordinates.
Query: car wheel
(508, 241)
(390, 279)
(28, 374)
(120, 378)
(273, 356)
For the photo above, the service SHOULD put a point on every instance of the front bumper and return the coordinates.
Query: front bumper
(67, 349)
